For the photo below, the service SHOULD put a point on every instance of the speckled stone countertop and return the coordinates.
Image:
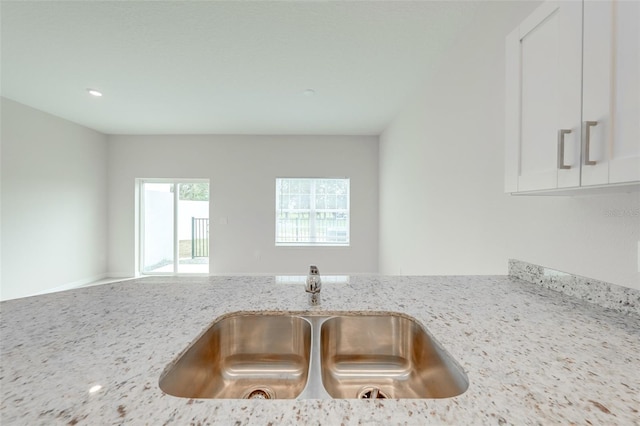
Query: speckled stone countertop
(532, 355)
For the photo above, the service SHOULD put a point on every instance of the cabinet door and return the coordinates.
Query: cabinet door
(611, 92)
(543, 96)
(624, 162)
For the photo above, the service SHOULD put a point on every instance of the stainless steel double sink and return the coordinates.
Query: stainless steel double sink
(301, 356)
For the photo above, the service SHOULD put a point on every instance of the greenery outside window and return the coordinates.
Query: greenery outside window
(312, 211)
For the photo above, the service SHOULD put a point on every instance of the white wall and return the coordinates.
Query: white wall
(442, 206)
(242, 172)
(54, 204)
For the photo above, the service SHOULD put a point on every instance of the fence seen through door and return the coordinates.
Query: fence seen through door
(199, 237)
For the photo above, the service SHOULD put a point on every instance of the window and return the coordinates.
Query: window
(312, 211)
(174, 225)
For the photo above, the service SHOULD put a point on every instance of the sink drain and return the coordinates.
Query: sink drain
(260, 393)
(371, 392)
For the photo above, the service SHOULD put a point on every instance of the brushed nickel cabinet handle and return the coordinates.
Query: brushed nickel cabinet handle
(561, 134)
(587, 142)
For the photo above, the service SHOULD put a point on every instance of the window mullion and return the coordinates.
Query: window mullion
(312, 213)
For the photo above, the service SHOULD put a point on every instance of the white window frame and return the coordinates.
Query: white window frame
(312, 214)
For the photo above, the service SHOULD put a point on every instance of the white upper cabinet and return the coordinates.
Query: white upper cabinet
(544, 63)
(611, 92)
(573, 97)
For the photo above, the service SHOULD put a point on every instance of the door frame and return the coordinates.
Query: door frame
(140, 201)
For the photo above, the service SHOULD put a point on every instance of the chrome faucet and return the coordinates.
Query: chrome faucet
(314, 285)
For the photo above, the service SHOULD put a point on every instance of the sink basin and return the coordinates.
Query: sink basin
(244, 356)
(385, 356)
(314, 356)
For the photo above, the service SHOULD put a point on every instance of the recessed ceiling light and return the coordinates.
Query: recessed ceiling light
(94, 92)
(309, 92)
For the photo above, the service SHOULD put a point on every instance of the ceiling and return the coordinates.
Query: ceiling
(225, 67)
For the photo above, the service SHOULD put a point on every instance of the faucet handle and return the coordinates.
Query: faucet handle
(314, 282)
(313, 270)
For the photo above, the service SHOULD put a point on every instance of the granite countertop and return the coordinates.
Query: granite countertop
(532, 355)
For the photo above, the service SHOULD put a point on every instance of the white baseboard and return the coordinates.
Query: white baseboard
(122, 275)
(72, 285)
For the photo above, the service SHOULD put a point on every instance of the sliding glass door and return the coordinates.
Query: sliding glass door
(174, 225)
